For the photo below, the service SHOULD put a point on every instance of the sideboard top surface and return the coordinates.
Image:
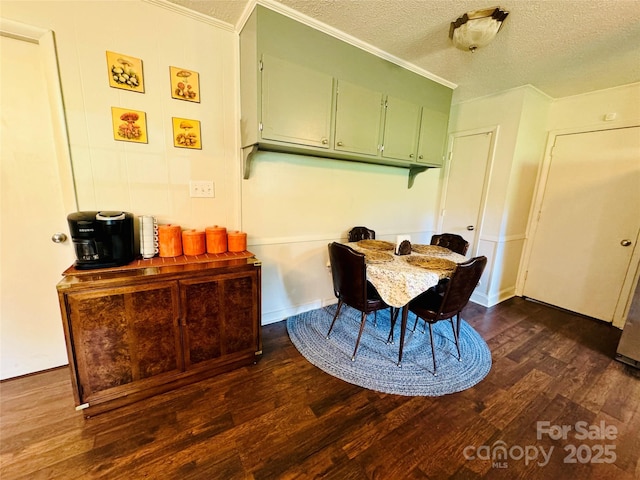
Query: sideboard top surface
(143, 269)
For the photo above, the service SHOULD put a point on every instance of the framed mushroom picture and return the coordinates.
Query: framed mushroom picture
(125, 72)
(129, 125)
(185, 84)
(186, 133)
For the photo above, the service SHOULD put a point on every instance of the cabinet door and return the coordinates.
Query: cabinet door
(124, 335)
(358, 119)
(296, 103)
(220, 316)
(401, 129)
(433, 137)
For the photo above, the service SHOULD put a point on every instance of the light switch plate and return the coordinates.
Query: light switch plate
(201, 189)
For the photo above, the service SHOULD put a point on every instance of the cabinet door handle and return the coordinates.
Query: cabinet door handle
(420, 157)
(625, 243)
(411, 155)
(339, 144)
(325, 141)
(470, 227)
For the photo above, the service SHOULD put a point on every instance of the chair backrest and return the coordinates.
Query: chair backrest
(453, 242)
(349, 273)
(361, 233)
(461, 285)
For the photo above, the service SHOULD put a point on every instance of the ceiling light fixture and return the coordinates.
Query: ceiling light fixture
(476, 29)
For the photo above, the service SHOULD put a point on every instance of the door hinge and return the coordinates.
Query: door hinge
(260, 126)
(260, 65)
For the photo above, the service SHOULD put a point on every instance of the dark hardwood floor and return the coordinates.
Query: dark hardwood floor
(284, 418)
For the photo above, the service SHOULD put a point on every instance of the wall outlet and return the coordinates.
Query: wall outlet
(201, 189)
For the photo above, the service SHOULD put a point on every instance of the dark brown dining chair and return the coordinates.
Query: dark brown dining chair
(361, 233)
(453, 242)
(433, 306)
(351, 286)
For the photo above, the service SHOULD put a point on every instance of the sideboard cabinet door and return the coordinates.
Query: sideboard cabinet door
(124, 335)
(220, 317)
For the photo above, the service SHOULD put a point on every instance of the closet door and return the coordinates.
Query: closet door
(588, 224)
(36, 194)
(463, 200)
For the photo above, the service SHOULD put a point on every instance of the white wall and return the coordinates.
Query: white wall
(153, 178)
(293, 206)
(581, 112)
(520, 116)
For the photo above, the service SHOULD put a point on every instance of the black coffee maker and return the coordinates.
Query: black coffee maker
(102, 239)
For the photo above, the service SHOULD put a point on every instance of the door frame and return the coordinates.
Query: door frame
(493, 131)
(633, 274)
(49, 60)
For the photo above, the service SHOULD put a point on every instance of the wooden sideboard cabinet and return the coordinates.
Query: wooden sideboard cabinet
(157, 324)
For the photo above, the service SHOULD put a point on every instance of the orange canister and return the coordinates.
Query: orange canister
(216, 239)
(170, 239)
(237, 241)
(193, 242)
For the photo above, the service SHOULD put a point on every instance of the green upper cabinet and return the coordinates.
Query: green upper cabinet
(296, 103)
(304, 91)
(433, 137)
(358, 119)
(401, 129)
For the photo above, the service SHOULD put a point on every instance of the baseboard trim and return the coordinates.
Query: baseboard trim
(278, 315)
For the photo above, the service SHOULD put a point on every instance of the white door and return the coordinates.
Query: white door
(33, 207)
(588, 224)
(463, 200)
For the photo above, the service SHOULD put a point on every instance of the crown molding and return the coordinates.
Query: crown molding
(340, 35)
(192, 14)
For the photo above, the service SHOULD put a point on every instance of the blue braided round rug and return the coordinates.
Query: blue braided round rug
(376, 367)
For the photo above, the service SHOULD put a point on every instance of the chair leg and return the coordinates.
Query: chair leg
(433, 350)
(458, 324)
(362, 322)
(455, 336)
(375, 318)
(335, 317)
(394, 316)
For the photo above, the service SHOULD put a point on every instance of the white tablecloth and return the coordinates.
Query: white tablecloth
(397, 281)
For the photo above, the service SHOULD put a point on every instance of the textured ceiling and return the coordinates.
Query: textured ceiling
(561, 47)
